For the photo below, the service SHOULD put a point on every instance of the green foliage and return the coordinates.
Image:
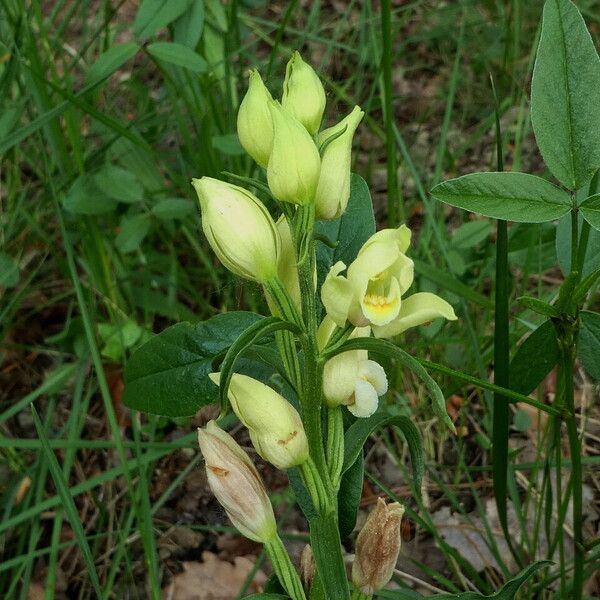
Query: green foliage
(589, 343)
(179, 55)
(510, 196)
(565, 96)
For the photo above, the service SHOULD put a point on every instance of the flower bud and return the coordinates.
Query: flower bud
(350, 378)
(274, 425)
(377, 547)
(236, 484)
(303, 93)
(288, 264)
(239, 229)
(254, 123)
(333, 189)
(294, 164)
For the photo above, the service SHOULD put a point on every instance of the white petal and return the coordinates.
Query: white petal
(374, 374)
(365, 399)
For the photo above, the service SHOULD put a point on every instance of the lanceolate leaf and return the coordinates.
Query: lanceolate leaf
(534, 359)
(361, 429)
(509, 196)
(349, 496)
(565, 95)
(589, 343)
(386, 348)
(168, 375)
(249, 337)
(590, 209)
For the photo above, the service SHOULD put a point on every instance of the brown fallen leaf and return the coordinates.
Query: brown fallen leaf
(213, 579)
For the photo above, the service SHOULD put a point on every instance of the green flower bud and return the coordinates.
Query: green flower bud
(254, 123)
(303, 93)
(333, 189)
(377, 548)
(294, 164)
(237, 485)
(274, 425)
(239, 229)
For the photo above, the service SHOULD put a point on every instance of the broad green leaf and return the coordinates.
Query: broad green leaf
(534, 359)
(9, 271)
(179, 55)
(510, 196)
(357, 434)
(168, 375)
(325, 542)
(133, 231)
(174, 208)
(588, 349)
(153, 15)
(187, 29)
(590, 209)
(111, 60)
(140, 162)
(119, 184)
(118, 338)
(86, 198)
(350, 231)
(349, 496)
(565, 95)
(471, 234)
(386, 348)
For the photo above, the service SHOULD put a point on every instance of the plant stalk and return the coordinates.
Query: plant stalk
(283, 567)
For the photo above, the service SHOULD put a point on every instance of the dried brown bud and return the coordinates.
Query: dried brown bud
(307, 567)
(377, 547)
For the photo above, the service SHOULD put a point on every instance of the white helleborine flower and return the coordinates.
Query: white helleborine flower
(254, 123)
(333, 189)
(303, 93)
(294, 164)
(371, 293)
(377, 547)
(351, 378)
(239, 229)
(236, 484)
(275, 427)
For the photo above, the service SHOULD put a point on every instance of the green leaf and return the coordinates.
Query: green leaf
(249, 337)
(508, 590)
(534, 359)
(361, 429)
(588, 349)
(173, 208)
(263, 596)
(538, 306)
(350, 231)
(9, 271)
(565, 95)
(111, 60)
(522, 420)
(590, 209)
(133, 231)
(583, 287)
(471, 234)
(153, 15)
(118, 338)
(228, 144)
(168, 375)
(349, 496)
(187, 29)
(179, 55)
(510, 196)
(86, 198)
(325, 542)
(119, 184)
(563, 247)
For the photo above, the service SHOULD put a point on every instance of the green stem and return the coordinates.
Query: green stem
(315, 486)
(335, 444)
(284, 569)
(395, 208)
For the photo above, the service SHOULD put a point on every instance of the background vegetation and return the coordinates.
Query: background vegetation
(102, 126)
